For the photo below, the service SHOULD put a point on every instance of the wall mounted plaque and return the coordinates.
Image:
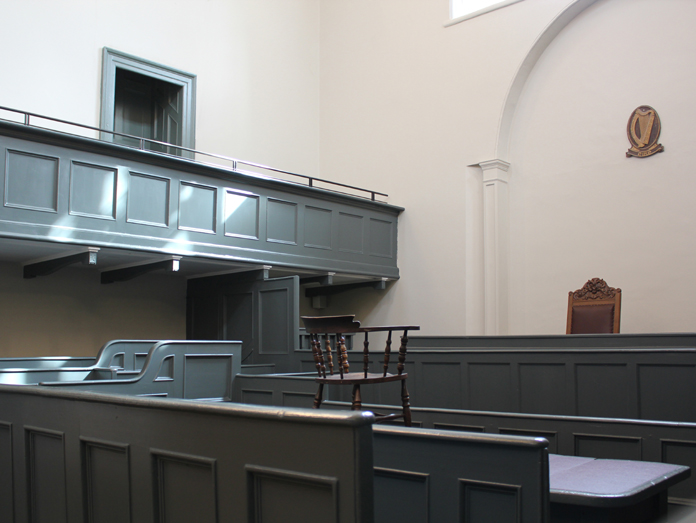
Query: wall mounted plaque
(643, 132)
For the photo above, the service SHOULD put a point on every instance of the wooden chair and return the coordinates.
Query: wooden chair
(340, 373)
(594, 309)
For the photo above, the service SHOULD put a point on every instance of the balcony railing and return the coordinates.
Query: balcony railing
(146, 144)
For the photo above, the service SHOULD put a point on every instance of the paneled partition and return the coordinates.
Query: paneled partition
(79, 191)
(78, 457)
(632, 383)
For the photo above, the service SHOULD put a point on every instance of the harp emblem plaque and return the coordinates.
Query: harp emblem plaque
(643, 132)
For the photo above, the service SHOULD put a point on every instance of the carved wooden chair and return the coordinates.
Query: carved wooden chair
(339, 374)
(594, 309)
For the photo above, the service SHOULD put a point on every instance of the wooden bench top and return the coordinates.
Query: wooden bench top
(609, 482)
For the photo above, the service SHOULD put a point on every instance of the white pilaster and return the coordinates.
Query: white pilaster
(496, 245)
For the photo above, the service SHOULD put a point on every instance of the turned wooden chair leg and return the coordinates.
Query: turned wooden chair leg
(357, 398)
(319, 396)
(406, 404)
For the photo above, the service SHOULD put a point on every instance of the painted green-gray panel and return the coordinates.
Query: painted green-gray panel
(350, 234)
(46, 469)
(6, 485)
(317, 231)
(381, 238)
(281, 221)
(148, 200)
(275, 321)
(106, 481)
(31, 181)
(93, 191)
(241, 215)
(136, 196)
(197, 208)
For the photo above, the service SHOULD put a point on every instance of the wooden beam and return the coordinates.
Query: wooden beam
(310, 292)
(128, 273)
(46, 267)
(321, 280)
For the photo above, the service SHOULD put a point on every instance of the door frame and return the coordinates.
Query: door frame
(113, 60)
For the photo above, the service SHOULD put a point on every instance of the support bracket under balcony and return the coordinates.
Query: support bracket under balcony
(328, 290)
(51, 265)
(133, 271)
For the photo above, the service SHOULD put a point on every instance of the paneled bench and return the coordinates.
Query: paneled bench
(114, 356)
(174, 369)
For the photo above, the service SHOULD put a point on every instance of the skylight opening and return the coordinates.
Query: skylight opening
(461, 10)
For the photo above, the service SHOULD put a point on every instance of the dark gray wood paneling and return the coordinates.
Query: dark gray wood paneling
(609, 447)
(412, 502)
(31, 181)
(93, 191)
(448, 376)
(6, 483)
(555, 341)
(488, 501)
(47, 484)
(317, 229)
(106, 481)
(602, 390)
(681, 452)
(185, 488)
(663, 389)
(350, 233)
(197, 208)
(148, 200)
(543, 388)
(264, 221)
(241, 214)
(218, 371)
(189, 461)
(490, 387)
(278, 496)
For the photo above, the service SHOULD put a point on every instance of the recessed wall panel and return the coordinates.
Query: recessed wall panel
(608, 447)
(185, 489)
(350, 233)
(663, 389)
(257, 397)
(484, 396)
(197, 208)
(106, 481)
(482, 502)
(317, 231)
(298, 399)
(279, 496)
(602, 390)
(46, 476)
(681, 453)
(281, 221)
(381, 238)
(274, 306)
(448, 376)
(31, 181)
(401, 495)
(543, 389)
(93, 191)
(241, 215)
(218, 376)
(148, 200)
(7, 475)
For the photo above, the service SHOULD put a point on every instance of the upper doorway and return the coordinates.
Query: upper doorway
(147, 100)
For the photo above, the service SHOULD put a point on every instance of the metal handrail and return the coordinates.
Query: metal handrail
(311, 180)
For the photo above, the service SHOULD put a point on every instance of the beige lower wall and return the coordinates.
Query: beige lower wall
(70, 313)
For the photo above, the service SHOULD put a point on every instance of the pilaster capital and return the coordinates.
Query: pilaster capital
(495, 170)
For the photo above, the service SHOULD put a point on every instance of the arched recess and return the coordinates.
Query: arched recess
(493, 211)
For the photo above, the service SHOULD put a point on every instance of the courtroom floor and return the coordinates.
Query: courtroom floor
(679, 514)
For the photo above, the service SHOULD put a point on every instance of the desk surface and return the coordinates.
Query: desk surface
(609, 482)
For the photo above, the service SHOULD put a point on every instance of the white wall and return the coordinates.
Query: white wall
(407, 105)
(256, 62)
(257, 67)
(580, 207)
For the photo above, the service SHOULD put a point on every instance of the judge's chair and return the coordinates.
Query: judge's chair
(339, 374)
(594, 309)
